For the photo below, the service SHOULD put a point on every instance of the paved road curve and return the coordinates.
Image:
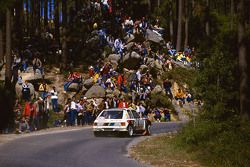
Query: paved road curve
(77, 148)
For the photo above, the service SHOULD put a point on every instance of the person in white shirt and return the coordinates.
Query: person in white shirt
(138, 75)
(54, 99)
(73, 112)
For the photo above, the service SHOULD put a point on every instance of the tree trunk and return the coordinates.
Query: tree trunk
(232, 14)
(244, 99)
(8, 50)
(27, 18)
(207, 18)
(37, 18)
(45, 14)
(64, 33)
(186, 22)
(57, 26)
(32, 17)
(149, 6)
(171, 24)
(158, 3)
(179, 30)
(18, 24)
(1, 45)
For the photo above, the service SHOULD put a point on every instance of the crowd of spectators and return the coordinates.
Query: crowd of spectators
(132, 92)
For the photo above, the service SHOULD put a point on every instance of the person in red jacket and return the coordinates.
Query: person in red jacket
(29, 113)
(123, 104)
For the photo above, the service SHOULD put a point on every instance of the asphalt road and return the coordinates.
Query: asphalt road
(78, 148)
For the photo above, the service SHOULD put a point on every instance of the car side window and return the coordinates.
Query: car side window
(135, 114)
(130, 114)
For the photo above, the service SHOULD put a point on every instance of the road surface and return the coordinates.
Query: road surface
(77, 148)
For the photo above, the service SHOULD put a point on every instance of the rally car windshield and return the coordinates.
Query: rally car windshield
(112, 114)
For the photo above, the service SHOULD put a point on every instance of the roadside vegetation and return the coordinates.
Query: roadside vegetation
(220, 135)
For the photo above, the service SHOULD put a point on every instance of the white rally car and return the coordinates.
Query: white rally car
(121, 120)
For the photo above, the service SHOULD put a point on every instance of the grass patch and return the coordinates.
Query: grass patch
(181, 75)
(162, 151)
(224, 143)
(54, 116)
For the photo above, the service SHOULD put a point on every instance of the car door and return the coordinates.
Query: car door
(139, 122)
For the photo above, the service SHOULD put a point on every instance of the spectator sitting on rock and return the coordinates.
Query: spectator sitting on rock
(23, 125)
(91, 71)
(180, 96)
(43, 89)
(26, 91)
(37, 64)
(74, 77)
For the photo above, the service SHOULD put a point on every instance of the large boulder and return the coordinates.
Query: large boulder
(129, 46)
(149, 61)
(129, 38)
(158, 65)
(114, 58)
(74, 87)
(29, 75)
(144, 68)
(88, 83)
(95, 91)
(131, 60)
(157, 89)
(152, 36)
(19, 90)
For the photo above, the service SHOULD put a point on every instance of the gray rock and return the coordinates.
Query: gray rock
(95, 91)
(19, 90)
(157, 89)
(114, 58)
(129, 38)
(129, 45)
(158, 65)
(88, 83)
(131, 60)
(152, 36)
(74, 87)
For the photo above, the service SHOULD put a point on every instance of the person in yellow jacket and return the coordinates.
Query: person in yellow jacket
(180, 96)
(95, 78)
(43, 88)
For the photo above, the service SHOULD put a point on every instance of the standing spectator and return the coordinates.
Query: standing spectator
(138, 75)
(67, 112)
(123, 104)
(142, 110)
(157, 115)
(73, 111)
(189, 97)
(167, 114)
(29, 113)
(54, 99)
(79, 113)
(167, 86)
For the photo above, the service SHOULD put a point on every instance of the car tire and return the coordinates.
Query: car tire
(130, 131)
(97, 134)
